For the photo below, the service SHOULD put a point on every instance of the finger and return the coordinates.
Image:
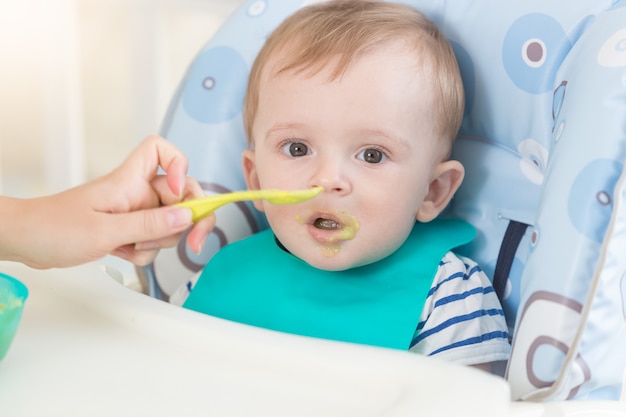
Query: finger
(192, 189)
(176, 174)
(166, 242)
(148, 225)
(165, 195)
(173, 162)
(199, 233)
(155, 152)
(163, 192)
(137, 257)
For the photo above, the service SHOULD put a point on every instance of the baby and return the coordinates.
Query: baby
(362, 98)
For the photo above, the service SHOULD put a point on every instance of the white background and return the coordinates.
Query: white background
(82, 82)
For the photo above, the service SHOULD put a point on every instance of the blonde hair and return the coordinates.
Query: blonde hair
(309, 38)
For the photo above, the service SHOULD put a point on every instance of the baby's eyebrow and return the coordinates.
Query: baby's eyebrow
(379, 133)
(280, 127)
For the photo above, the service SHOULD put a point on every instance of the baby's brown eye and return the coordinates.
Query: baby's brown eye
(372, 156)
(296, 149)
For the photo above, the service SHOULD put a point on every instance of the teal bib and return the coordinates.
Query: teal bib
(254, 281)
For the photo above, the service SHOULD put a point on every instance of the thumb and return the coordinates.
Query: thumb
(152, 224)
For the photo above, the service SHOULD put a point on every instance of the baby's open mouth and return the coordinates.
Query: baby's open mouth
(330, 229)
(334, 227)
(326, 224)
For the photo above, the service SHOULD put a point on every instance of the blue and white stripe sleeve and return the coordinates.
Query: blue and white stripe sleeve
(462, 320)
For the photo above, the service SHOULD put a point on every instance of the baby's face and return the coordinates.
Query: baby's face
(366, 137)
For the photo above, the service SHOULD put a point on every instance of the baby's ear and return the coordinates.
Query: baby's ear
(448, 178)
(250, 175)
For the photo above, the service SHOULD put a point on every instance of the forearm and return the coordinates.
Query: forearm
(45, 232)
(16, 226)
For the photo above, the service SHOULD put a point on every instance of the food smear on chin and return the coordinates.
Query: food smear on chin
(330, 250)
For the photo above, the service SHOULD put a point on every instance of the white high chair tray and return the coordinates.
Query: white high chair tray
(88, 346)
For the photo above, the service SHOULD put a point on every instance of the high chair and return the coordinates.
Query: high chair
(543, 142)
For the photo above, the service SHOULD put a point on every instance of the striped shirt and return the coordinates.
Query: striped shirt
(462, 320)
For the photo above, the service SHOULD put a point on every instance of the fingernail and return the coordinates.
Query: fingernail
(181, 187)
(199, 251)
(178, 217)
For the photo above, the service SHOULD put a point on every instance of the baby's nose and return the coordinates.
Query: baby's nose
(332, 177)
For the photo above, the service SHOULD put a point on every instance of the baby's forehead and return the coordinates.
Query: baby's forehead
(335, 62)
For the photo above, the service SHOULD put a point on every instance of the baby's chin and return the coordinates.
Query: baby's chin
(339, 256)
(333, 260)
(332, 266)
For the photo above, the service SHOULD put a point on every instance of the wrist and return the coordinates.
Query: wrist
(14, 228)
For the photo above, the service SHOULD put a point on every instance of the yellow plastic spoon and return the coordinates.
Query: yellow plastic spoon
(203, 206)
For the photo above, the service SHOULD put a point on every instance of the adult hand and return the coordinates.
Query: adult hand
(126, 213)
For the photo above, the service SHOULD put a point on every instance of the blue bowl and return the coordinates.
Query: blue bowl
(12, 296)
